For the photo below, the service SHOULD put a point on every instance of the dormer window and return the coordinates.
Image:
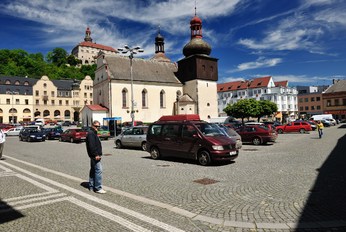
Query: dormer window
(17, 83)
(7, 82)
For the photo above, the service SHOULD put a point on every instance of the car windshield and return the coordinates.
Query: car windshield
(209, 129)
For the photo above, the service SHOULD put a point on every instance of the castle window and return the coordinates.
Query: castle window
(162, 99)
(144, 98)
(124, 94)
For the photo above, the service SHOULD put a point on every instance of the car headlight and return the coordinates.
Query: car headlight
(217, 148)
(32, 136)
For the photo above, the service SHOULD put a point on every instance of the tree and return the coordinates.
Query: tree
(58, 56)
(73, 61)
(243, 109)
(266, 109)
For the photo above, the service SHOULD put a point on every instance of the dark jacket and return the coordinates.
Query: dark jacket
(93, 144)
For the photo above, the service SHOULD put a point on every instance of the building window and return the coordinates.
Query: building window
(53, 102)
(318, 107)
(318, 99)
(162, 99)
(312, 99)
(329, 103)
(26, 83)
(60, 102)
(37, 93)
(85, 95)
(312, 107)
(306, 99)
(17, 101)
(124, 97)
(52, 93)
(336, 102)
(45, 102)
(306, 107)
(301, 108)
(144, 98)
(37, 102)
(44, 93)
(26, 101)
(66, 102)
(8, 101)
(91, 95)
(45, 85)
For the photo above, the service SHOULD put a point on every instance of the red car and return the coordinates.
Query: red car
(257, 134)
(300, 127)
(74, 135)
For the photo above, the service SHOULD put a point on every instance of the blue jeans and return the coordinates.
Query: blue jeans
(95, 175)
(320, 133)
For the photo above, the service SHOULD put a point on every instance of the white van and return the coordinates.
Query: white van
(318, 117)
(39, 121)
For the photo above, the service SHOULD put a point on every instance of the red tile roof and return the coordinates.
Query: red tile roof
(98, 46)
(281, 83)
(238, 85)
(96, 108)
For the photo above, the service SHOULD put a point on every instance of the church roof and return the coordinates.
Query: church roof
(248, 84)
(142, 70)
(281, 83)
(98, 46)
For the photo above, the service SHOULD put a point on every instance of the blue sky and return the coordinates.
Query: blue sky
(302, 41)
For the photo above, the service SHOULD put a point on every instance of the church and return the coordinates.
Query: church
(160, 87)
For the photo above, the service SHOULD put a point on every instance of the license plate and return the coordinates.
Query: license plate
(233, 153)
(39, 137)
(83, 138)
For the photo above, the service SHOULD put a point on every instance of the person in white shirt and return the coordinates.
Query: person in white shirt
(2, 142)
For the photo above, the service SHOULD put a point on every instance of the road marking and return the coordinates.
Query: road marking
(14, 203)
(89, 197)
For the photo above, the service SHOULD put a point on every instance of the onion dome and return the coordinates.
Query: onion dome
(196, 45)
(160, 49)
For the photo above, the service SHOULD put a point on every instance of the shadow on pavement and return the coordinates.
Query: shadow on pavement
(7, 213)
(326, 205)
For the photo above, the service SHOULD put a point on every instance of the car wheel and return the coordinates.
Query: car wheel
(28, 139)
(204, 158)
(118, 144)
(20, 138)
(60, 139)
(155, 153)
(71, 140)
(256, 141)
(280, 131)
(302, 131)
(144, 146)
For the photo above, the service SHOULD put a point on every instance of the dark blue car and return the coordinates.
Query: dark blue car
(31, 134)
(52, 133)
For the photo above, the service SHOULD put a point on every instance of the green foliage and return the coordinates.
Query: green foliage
(250, 108)
(59, 64)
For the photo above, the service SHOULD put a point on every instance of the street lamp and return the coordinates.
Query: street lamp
(132, 52)
(12, 93)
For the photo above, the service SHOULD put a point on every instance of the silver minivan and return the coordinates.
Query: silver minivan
(133, 137)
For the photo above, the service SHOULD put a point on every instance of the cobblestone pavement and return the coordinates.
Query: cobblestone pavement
(296, 184)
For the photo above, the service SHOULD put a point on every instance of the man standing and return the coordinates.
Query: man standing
(2, 142)
(94, 149)
(320, 127)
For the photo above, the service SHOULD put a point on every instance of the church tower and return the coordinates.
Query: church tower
(87, 37)
(160, 55)
(199, 72)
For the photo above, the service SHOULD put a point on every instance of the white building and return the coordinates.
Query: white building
(263, 88)
(87, 51)
(160, 87)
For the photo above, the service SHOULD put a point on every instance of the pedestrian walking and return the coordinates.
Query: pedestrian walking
(2, 142)
(94, 149)
(320, 127)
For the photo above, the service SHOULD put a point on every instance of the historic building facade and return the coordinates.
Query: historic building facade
(160, 87)
(334, 100)
(87, 51)
(263, 88)
(24, 99)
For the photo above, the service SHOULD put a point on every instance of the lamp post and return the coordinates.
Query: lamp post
(132, 52)
(12, 113)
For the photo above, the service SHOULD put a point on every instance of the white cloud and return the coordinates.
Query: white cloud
(261, 62)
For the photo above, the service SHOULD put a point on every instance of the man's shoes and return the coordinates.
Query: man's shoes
(101, 191)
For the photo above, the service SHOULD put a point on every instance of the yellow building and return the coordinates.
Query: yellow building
(24, 99)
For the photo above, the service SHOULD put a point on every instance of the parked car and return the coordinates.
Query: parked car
(186, 136)
(31, 134)
(13, 131)
(301, 127)
(332, 121)
(325, 123)
(74, 135)
(230, 132)
(103, 133)
(257, 134)
(52, 133)
(133, 137)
